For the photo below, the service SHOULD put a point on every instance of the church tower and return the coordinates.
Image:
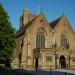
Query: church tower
(24, 18)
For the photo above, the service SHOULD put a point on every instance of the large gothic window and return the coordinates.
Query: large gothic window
(40, 39)
(64, 41)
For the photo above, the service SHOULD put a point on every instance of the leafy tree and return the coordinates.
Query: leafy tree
(7, 37)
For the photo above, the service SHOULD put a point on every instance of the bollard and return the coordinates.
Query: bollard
(50, 71)
(65, 73)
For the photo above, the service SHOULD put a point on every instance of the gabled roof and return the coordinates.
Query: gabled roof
(53, 23)
(23, 29)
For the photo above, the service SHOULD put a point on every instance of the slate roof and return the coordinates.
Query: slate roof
(53, 23)
(23, 30)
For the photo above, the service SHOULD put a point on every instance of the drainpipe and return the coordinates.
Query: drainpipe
(55, 61)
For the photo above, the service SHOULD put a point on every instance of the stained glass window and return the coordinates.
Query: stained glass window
(40, 39)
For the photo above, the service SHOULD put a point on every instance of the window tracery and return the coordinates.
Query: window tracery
(64, 41)
(40, 39)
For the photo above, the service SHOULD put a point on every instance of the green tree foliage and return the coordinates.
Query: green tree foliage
(7, 36)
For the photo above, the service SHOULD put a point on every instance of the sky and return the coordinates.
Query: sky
(52, 9)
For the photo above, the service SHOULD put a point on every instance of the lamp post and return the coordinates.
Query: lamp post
(69, 61)
(65, 73)
(55, 61)
(50, 71)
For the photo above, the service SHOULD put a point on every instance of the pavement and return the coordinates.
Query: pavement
(54, 72)
(65, 70)
(38, 72)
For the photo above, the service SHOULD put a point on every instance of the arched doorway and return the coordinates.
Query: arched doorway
(36, 63)
(62, 61)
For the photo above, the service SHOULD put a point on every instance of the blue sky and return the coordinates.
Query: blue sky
(51, 8)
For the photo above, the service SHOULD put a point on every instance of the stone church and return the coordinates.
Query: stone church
(44, 45)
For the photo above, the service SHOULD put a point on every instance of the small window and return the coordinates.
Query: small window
(21, 44)
(48, 58)
(29, 37)
(41, 20)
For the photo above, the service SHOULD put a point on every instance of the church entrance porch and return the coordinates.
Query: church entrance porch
(36, 63)
(36, 57)
(62, 61)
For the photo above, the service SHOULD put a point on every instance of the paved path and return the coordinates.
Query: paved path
(39, 72)
(52, 73)
(65, 70)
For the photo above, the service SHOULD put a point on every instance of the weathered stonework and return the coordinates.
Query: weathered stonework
(60, 53)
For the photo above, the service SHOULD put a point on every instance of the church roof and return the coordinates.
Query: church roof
(54, 23)
(23, 30)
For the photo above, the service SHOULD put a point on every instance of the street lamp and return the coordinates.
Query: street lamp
(55, 61)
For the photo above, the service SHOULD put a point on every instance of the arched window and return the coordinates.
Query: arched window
(21, 44)
(20, 54)
(40, 39)
(64, 41)
(29, 45)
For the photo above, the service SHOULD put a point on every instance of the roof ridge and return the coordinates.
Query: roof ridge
(54, 22)
(22, 30)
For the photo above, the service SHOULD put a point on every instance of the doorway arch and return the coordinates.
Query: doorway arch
(62, 61)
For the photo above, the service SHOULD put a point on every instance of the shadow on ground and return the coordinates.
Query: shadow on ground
(38, 72)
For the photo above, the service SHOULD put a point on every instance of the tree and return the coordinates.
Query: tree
(7, 37)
